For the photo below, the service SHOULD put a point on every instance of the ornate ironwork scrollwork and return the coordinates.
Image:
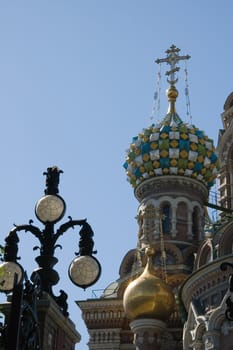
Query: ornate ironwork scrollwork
(29, 331)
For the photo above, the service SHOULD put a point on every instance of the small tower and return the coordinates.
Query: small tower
(225, 150)
(207, 293)
(171, 166)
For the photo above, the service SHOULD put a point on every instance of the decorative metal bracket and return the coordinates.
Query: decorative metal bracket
(46, 260)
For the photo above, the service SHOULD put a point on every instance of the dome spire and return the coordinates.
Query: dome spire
(172, 93)
(171, 147)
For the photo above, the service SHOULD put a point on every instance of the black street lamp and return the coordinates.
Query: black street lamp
(84, 270)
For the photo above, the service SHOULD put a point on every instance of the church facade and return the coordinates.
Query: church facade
(173, 290)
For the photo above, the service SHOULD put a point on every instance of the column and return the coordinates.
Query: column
(190, 223)
(173, 221)
(147, 333)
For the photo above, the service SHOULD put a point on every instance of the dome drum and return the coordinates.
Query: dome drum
(171, 185)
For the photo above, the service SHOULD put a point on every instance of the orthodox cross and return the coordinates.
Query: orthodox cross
(172, 59)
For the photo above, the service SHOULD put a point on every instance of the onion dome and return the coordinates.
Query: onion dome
(148, 296)
(171, 147)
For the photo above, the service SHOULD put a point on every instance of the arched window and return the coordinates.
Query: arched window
(182, 220)
(166, 218)
(206, 254)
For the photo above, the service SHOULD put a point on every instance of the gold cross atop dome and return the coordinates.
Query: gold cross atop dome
(172, 59)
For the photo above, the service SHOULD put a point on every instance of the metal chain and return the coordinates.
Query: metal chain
(163, 251)
(156, 100)
(186, 91)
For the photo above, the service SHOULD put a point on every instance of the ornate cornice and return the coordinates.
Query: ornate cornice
(101, 313)
(101, 303)
(199, 282)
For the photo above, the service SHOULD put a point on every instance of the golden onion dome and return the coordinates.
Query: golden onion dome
(148, 296)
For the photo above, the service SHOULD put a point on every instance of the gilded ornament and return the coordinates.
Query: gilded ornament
(203, 171)
(142, 169)
(202, 141)
(146, 157)
(184, 154)
(184, 136)
(164, 135)
(154, 145)
(174, 143)
(173, 162)
(156, 164)
(193, 146)
(212, 166)
(190, 165)
(164, 153)
(200, 159)
(133, 165)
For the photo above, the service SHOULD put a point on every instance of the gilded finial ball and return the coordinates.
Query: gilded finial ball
(172, 93)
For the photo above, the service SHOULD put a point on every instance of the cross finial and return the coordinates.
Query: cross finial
(172, 59)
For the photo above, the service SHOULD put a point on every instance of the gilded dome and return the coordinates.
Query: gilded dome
(148, 296)
(171, 148)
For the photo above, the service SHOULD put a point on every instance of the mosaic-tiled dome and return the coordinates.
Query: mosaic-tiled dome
(171, 148)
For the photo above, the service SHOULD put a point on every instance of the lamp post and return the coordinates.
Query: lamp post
(83, 271)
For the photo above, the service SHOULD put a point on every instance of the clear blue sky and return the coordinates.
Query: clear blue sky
(77, 80)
